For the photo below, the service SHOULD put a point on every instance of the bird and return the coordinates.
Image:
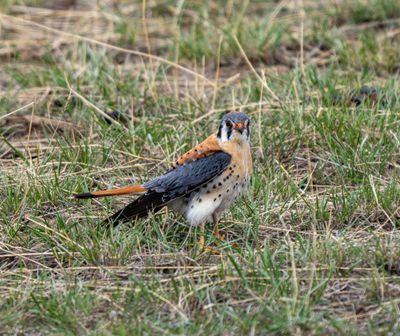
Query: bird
(202, 183)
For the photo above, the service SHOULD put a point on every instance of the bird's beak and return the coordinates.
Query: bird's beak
(239, 127)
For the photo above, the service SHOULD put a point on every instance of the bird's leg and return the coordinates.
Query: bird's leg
(216, 231)
(200, 243)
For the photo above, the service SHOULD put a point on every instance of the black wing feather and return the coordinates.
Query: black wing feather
(175, 183)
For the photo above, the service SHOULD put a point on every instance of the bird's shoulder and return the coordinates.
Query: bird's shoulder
(209, 146)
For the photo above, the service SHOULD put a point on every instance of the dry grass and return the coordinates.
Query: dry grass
(316, 244)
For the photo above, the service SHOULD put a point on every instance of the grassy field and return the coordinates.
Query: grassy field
(314, 248)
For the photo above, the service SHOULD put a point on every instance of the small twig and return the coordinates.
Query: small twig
(90, 104)
(36, 120)
(17, 110)
(264, 83)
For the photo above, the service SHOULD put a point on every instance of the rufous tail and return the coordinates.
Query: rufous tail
(134, 189)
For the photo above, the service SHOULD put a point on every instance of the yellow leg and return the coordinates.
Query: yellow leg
(216, 231)
(200, 243)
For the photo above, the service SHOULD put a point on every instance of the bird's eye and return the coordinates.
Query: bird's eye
(228, 124)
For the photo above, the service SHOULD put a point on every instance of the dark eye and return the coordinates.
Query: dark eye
(228, 124)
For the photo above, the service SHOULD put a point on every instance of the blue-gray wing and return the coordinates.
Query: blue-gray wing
(183, 179)
(175, 183)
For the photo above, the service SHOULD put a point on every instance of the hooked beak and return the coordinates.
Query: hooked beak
(239, 127)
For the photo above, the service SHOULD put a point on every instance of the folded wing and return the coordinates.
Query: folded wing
(176, 183)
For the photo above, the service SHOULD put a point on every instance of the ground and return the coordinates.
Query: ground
(100, 94)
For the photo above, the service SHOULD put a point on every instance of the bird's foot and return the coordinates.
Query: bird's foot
(219, 236)
(208, 249)
(212, 250)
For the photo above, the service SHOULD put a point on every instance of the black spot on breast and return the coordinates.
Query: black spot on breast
(219, 195)
(227, 190)
(215, 199)
(237, 176)
(191, 207)
(214, 186)
(200, 200)
(208, 191)
(219, 183)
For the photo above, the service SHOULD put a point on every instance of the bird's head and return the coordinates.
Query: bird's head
(234, 126)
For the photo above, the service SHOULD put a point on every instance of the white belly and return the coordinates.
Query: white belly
(201, 212)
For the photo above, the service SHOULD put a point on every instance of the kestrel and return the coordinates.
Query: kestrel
(203, 182)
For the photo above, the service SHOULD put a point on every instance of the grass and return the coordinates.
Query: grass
(316, 242)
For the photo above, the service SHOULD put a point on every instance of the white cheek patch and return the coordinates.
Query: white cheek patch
(224, 133)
